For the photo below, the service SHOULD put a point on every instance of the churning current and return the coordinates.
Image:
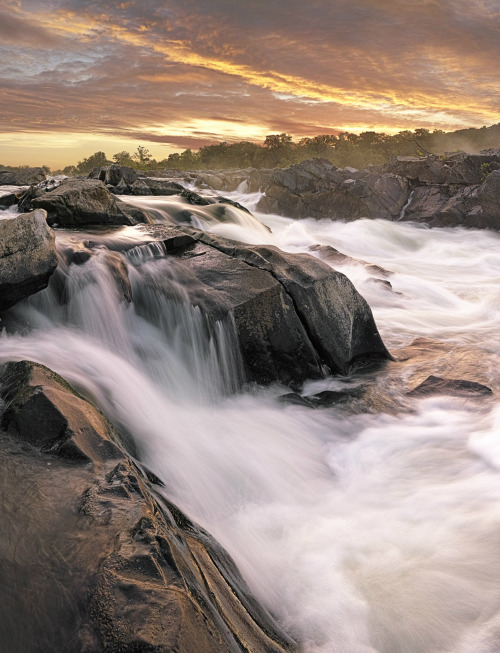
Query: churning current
(362, 533)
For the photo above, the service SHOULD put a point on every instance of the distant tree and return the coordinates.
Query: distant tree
(69, 171)
(142, 155)
(123, 158)
(278, 141)
(46, 169)
(98, 159)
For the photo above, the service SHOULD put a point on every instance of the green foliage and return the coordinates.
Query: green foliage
(69, 171)
(98, 159)
(485, 170)
(123, 159)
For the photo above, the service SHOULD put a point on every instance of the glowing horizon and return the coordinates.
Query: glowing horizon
(75, 80)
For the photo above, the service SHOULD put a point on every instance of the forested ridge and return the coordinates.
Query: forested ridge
(280, 150)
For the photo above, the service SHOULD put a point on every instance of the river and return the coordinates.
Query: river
(362, 533)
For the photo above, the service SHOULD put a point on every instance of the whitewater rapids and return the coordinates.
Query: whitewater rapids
(362, 534)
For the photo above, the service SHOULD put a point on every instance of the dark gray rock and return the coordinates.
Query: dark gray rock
(85, 201)
(337, 320)
(22, 177)
(317, 189)
(488, 195)
(115, 174)
(294, 317)
(9, 199)
(93, 558)
(27, 256)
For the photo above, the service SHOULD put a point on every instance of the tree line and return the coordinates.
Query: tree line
(280, 150)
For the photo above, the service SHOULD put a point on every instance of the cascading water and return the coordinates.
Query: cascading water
(362, 533)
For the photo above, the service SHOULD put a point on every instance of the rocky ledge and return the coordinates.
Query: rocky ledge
(462, 190)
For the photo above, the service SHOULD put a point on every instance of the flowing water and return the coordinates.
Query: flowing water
(361, 533)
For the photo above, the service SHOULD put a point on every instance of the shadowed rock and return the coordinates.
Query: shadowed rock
(434, 385)
(27, 256)
(93, 558)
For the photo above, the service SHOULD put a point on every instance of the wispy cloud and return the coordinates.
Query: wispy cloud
(162, 70)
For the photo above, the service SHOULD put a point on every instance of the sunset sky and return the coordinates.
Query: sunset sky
(80, 75)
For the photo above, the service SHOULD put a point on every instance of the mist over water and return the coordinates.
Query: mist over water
(361, 533)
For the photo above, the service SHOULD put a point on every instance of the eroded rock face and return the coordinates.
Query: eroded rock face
(27, 256)
(85, 201)
(93, 557)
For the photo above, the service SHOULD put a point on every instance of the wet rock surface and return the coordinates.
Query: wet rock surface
(93, 558)
(293, 316)
(27, 256)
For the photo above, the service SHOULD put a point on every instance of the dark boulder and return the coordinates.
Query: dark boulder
(114, 174)
(22, 177)
(85, 201)
(9, 199)
(93, 557)
(294, 317)
(27, 256)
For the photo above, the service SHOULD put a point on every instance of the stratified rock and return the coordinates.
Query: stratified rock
(93, 558)
(22, 177)
(85, 201)
(27, 256)
(317, 189)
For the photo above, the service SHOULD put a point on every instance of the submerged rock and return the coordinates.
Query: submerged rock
(435, 385)
(94, 558)
(27, 256)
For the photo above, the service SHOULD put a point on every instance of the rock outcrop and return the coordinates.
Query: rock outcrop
(94, 558)
(84, 202)
(22, 177)
(27, 256)
(318, 189)
(123, 180)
